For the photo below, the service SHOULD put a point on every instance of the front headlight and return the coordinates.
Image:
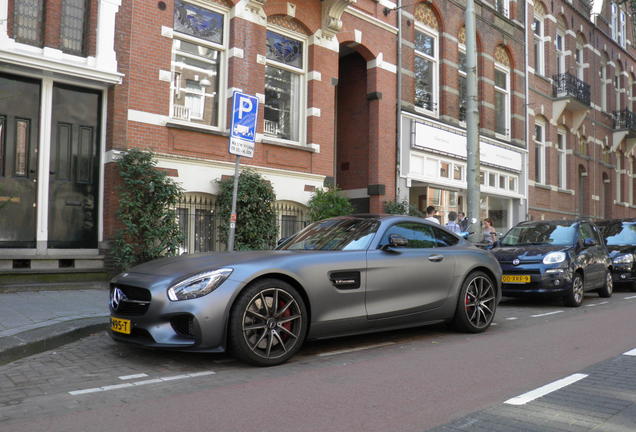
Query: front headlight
(198, 285)
(554, 258)
(624, 259)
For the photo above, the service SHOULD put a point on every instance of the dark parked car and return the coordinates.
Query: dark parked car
(562, 258)
(337, 277)
(620, 238)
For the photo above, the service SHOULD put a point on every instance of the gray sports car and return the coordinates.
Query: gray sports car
(337, 277)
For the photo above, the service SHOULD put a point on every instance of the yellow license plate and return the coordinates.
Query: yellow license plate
(120, 325)
(515, 278)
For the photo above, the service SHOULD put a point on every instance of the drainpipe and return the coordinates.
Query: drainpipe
(526, 208)
(398, 114)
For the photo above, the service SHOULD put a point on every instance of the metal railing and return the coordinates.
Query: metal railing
(181, 112)
(567, 85)
(199, 218)
(624, 119)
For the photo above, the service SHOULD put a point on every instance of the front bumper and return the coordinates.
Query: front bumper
(543, 281)
(187, 325)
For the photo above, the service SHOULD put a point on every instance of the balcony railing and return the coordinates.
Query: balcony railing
(181, 112)
(567, 85)
(624, 119)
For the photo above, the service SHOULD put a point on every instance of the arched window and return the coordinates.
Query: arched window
(426, 60)
(502, 93)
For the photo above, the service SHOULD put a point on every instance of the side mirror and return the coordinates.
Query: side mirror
(588, 242)
(395, 241)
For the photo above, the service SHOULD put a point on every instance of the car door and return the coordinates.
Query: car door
(408, 279)
(594, 270)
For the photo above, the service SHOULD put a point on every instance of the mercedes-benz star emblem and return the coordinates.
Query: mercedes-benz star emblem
(515, 261)
(117, 296)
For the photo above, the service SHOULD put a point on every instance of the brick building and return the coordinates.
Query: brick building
(432, 165)
(581, 121)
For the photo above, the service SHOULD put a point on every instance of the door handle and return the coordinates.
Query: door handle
(436, 258)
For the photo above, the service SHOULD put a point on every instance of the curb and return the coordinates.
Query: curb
(38, 340)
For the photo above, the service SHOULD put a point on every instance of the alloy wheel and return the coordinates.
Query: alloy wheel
(480, 301)
(577, 290)
(272, 323)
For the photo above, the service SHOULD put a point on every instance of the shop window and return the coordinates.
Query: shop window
(197, 52)
(512, 184)
(284, 79)
(73, 26)
(426, 69)
(28, 17)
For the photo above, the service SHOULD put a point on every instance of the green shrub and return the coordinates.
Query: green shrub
(401, 208)
(328, 203)
(255, 215)
(147, 197)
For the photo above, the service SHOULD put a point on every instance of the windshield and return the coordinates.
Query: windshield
(541, 234)
(334, 234)
(619, 233)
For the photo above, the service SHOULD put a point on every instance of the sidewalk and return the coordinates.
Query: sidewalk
(36, 321)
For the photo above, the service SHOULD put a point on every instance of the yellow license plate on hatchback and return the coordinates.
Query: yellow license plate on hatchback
(515, 279)
(120, 325)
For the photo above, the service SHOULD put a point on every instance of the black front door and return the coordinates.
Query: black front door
(19, 132)
(74, 169)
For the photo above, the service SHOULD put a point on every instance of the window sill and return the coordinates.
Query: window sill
(286, 144)
(176, 124)
(542, 186)
(566, 191)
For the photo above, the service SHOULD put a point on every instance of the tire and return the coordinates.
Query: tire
(607, 290)
(476, 303)
(268, 323)
(574, 298)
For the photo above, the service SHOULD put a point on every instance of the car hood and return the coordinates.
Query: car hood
(615, 250)
(531, 253)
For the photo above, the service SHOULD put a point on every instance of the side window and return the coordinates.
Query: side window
(444, 239)
(419, 236)
(586, 232)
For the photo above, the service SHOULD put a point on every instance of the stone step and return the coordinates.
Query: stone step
(53, 280)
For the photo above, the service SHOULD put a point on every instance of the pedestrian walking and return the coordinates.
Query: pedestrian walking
(452, 225)
(430, 214)
(489, 232)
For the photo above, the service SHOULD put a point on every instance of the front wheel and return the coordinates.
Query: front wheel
(268, 323)
(476, 304)
(607, 289)
(574, 298)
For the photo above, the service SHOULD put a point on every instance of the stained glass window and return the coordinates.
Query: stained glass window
(21, 148)
(28, 16)
(198, 22)
(284, 49)
(73, 24)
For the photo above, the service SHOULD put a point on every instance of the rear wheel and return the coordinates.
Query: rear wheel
(477, 303)
(608, 288)
(268, 323)
(574, 298)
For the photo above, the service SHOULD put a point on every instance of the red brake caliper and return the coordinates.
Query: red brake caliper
(287, 325)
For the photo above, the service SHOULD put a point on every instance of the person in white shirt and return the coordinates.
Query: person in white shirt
(430, 214)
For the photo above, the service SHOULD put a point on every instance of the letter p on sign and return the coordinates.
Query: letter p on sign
(245, 106)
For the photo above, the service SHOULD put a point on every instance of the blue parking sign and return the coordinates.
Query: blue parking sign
(243, 126)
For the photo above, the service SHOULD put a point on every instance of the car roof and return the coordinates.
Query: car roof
(551, 222)
(610, 221)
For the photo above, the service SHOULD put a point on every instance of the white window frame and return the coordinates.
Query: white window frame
(617, 88)
(579, 58)
(222, 48)
(560, 51)
(539, 170)
(604, 86)
(562, 159)
(622, 29)
(614, 21)
(619, 176)
(539, 45)
(435, 61)
(506, 109)
(302, 84)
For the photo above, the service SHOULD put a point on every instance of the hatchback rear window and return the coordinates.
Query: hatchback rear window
(620, 233)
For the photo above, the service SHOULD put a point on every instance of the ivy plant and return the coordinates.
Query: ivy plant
(255, 214)
(147, 198)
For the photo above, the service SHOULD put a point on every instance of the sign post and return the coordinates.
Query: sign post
(242, 137)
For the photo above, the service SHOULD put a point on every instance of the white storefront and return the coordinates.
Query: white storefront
(433, 165)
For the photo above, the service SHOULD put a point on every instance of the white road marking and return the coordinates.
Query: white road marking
(135, 376)
(629, 298)
(512, 318)
(592, 304)
(630, 352)
(546, 389)
(330, 353)
(546, 314)
(140, 383)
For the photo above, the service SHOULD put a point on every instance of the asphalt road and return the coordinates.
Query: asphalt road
(410, 380)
